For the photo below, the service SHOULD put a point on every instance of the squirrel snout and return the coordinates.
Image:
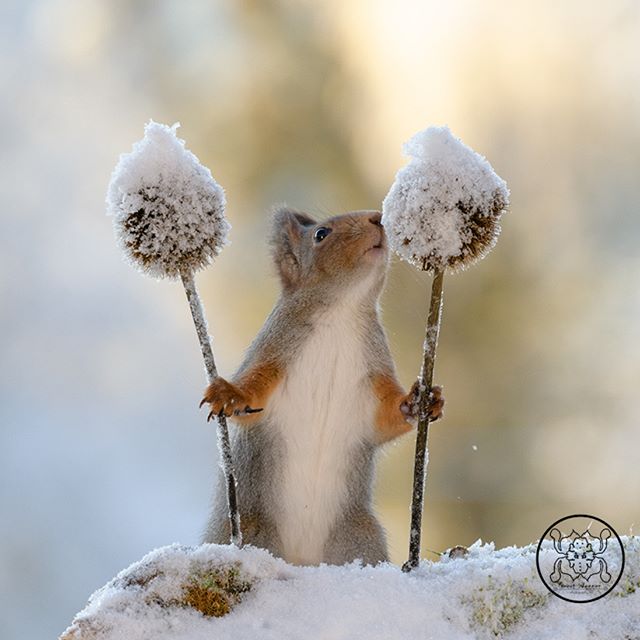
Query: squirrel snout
(375, 218)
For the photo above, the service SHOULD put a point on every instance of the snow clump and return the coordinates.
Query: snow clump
(222, 592)
(168, 211)
(444, 207)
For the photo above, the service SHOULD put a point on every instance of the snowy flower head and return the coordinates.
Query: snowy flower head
(168, 211)
(443, 210)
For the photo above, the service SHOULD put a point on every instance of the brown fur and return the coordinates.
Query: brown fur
(246, 396)
(390, 421)
(397, 407)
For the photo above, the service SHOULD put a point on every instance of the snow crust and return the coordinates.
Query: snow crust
(168, 211)
(487, 593)
(444, 206)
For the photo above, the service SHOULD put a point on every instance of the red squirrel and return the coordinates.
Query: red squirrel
(315, 397)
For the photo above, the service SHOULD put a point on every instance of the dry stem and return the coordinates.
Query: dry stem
(426, 382)
(226, 461)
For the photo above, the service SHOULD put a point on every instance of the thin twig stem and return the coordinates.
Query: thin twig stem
(226, 461)
(426, 382)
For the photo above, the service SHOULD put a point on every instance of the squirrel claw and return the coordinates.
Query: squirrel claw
(226, 399)
(248, 409)
(410, 406)
(436, 404)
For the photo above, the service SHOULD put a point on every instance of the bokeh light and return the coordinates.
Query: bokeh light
(103, 453)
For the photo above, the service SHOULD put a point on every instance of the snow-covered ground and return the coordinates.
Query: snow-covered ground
(485, 594)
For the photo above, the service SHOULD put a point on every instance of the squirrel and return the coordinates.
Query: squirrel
(315, 397)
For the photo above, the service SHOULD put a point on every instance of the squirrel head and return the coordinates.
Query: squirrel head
(338, 253)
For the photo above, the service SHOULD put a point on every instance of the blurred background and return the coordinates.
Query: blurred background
(103, 453)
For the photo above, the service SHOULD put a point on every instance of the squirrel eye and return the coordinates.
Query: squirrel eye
(321, 233)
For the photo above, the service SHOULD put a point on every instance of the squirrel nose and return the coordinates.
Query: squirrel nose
(376, 219)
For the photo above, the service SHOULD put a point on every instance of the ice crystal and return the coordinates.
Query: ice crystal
(443, 210)
(168, 211)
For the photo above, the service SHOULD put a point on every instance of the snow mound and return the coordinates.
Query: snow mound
(444, 207)
(215, 591)
(168, 211)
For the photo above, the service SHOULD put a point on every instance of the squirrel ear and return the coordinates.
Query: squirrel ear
(287, 229)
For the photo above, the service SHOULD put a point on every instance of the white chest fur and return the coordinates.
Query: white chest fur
(323, 408)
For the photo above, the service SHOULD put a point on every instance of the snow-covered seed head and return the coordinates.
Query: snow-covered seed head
(168, 211)
(443, 210)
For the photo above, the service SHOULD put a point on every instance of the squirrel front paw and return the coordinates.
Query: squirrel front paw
(226, 399)
(410, 406)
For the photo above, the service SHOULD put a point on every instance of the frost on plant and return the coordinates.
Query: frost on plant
(168, 211)
(444, 207)
(174, 583)
(215, 591)
(498, 607)
(630, 581)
